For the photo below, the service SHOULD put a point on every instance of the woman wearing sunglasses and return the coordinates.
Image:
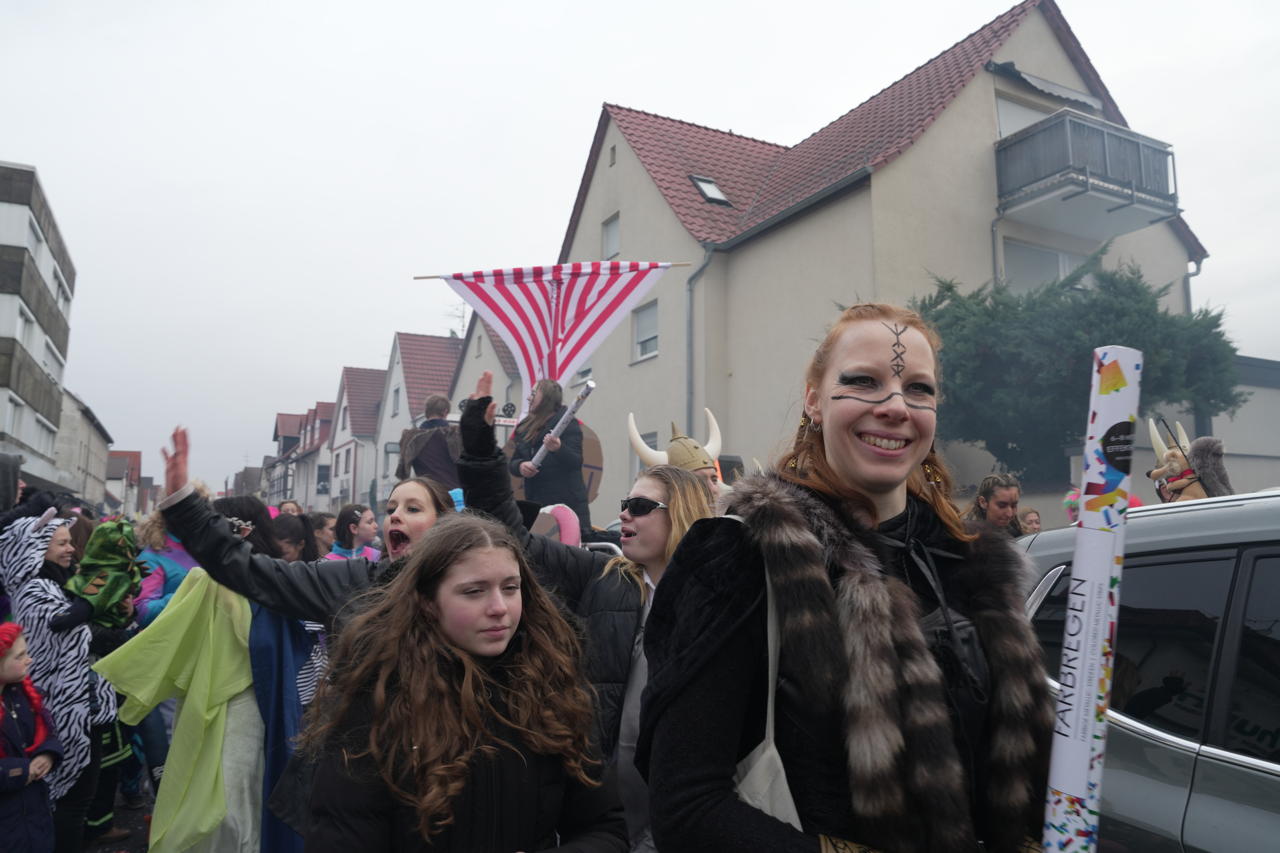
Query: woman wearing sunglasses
(910, 709)
(611, 596)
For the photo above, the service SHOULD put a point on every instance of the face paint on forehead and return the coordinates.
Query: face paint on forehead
(898, 362)
(910, 405)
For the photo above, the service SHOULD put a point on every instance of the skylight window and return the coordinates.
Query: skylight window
(710, 190)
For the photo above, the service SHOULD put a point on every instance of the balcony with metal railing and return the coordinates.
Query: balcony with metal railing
(1080, 175)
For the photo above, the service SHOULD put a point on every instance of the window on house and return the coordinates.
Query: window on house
(644, 325)
(1012, 116)
(17, 416)
(45, 437)
(710, 190)
(26, 329)
(52, 363)
(613, 154)
(610, 243)
(390, 456)
(344, 417)
(395, 402)
(61, 292)
(581, 376)
(346, 464)
(1026, 267)
(34, 238)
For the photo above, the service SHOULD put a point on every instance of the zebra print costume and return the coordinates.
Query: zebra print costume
(75, 696)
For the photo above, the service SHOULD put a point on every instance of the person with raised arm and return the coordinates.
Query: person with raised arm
(316, 591)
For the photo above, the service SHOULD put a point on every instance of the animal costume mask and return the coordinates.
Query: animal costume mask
(110, 573)
(683, 451)
(1190, 469)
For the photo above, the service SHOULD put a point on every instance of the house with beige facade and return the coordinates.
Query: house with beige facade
(1003, 158)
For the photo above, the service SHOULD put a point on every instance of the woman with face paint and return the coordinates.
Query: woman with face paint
(911, 711)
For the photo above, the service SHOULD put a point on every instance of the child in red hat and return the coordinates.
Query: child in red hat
(29, 749)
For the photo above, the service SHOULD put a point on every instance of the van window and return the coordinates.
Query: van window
(1254, 726)
(1170, 610)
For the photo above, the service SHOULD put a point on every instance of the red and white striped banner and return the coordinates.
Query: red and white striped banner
(554, 317)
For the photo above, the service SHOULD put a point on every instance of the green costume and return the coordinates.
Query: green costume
(110, 574)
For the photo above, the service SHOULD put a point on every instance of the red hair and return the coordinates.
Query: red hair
(9, 634)
(806, 463)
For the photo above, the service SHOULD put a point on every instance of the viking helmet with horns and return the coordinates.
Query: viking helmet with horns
(683, 451)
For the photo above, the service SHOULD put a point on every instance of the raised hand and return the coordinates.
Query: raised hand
(484, 388)
(175, 463)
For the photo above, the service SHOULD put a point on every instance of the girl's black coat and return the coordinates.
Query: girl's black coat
(559, 479)
(512, 801)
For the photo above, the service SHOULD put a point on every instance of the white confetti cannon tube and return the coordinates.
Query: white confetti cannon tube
(1093, 600)
(564, 421)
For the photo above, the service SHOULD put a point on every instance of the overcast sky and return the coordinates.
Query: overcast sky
(247, 188)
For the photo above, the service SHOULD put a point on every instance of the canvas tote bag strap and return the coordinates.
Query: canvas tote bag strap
(760, 779)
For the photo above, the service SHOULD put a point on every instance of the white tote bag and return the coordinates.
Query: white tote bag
(760, 778)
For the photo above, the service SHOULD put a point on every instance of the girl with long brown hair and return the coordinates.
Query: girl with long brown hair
(909, 707)
(454, 716)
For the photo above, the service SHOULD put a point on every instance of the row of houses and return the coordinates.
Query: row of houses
(346, 451)
(1004, 158)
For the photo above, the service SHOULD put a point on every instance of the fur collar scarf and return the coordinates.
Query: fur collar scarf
(850, 630)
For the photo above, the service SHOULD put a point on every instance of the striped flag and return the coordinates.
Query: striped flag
(554, 317)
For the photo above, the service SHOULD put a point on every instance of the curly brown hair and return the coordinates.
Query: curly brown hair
(433, 705)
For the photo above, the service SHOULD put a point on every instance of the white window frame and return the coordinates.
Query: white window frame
(26, 328)
(395, 402)
(35, 238)
(638, 343)
(14, 425)
(1068, 262)
(50, 350)
(611, 237)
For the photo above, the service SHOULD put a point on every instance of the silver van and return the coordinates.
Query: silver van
(1193, 742)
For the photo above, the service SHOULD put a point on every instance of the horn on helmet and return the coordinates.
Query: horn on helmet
(1157, 443)
(1184, 443)
(648, 456)
(713, 436)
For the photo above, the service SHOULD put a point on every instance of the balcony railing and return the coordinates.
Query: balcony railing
(1070, 155)
(1075, 144)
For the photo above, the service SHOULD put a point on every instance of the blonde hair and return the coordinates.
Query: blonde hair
(806, 463)
(151, 532)
(688, 499)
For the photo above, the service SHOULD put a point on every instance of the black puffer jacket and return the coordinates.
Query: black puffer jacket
(559, 479)
(609, 605)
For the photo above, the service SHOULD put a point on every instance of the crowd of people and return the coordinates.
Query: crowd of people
(827, 656)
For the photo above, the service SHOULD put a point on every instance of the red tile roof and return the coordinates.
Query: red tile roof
(765, 182)
(363, 390)
(429, 362)
(321, 417)
(287, 425)
(131, 461)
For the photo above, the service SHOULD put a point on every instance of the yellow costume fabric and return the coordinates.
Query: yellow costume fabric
(196, 650)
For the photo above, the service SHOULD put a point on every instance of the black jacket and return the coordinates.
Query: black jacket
(26, 819)
(430, 451)
(512, 801)
(845, 598)
(315, 592)
(559, 479)
(609, 606)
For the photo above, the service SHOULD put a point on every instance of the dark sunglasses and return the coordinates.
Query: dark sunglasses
(641, 506)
